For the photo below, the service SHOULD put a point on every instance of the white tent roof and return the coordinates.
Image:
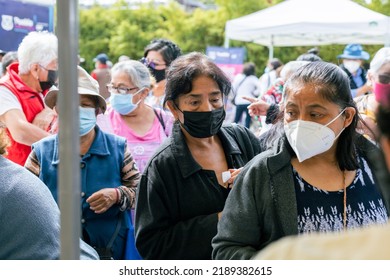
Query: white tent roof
(311, 22)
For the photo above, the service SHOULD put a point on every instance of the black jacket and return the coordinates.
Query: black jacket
(177, 201)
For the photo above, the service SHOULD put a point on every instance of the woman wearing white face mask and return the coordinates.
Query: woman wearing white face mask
(108, 173)
(144, 127)
(353, 57)
(316, 177)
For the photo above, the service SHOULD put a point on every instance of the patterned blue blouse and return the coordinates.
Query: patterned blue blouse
(322, 211)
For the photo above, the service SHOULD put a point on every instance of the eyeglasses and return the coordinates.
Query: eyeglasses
(152, 64)
(119, 90)
(46, 68)
(43, 67)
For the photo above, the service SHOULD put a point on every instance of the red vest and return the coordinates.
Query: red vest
(31, 103)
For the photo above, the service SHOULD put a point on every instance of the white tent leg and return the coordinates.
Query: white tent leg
(226, 43)
(271, 52)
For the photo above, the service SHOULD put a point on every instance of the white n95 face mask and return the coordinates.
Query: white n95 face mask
(351, 65)
(309, 139)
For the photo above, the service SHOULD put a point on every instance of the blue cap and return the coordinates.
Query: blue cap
(102, 57)
(354, 51)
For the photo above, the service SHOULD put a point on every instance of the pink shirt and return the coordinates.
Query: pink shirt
(142, 147)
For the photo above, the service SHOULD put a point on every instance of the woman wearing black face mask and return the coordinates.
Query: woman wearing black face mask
(158, 55)
(185, 185)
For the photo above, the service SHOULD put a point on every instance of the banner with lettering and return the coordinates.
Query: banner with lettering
(230, 60)
(19, 18)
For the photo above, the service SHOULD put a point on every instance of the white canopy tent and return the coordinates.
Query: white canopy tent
(310, 23)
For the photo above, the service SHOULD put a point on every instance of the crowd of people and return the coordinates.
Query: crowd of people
(165, 176)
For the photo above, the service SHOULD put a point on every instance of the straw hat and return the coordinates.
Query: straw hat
(86, 86)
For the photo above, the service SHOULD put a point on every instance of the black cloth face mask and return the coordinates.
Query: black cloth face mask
(51, 80)
(203, 124)
(159, 75)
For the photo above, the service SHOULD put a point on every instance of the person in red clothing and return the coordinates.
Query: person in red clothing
(102, 74)
(22, 110)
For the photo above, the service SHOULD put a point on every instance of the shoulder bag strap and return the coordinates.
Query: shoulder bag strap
(115, 234)
(160, 118)
(235, 91)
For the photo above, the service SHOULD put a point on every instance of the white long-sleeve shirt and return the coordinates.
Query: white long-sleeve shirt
(250, 87)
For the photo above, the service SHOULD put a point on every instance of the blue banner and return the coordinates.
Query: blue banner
(230, 60)
(19, 18)
(221, 55)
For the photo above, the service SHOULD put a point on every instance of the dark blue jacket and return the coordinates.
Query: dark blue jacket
(100, 168)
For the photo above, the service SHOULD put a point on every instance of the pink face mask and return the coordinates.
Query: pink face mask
(382, 94)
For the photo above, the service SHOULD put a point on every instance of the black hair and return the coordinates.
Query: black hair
(186, 68)
(249, 69)
(382, 118)
(276, 63)
(169, 50)
(309, 57)
(314, 51)
(332, 84)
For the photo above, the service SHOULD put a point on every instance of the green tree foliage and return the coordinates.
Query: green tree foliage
(236, 9)
(121, 29)
(95, 33)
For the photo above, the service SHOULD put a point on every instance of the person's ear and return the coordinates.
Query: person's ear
(349, 114)
(173, 109)
(34, 70)
(144, 93)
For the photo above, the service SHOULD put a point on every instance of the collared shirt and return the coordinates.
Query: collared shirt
(359, 82)
(356, 80)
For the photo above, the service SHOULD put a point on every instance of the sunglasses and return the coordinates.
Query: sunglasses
(151, 64)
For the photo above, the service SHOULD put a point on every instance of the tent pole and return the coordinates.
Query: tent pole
(69, 139)
(271, 48)
(387, 36)
(226, 43)
(271, 52)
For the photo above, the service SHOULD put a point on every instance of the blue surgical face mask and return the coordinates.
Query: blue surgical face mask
(87, 120)
(123, 103)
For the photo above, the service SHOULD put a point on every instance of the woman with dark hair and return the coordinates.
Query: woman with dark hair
(368, 243)
(317, 177)
(245, 85)
(158, 55)
(184, 187)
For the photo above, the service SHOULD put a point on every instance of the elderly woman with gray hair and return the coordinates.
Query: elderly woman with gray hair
(144, 127)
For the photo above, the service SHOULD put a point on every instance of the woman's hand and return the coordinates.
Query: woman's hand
(233, 175)
(102, 200)
(44, 119)
(257, 107)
